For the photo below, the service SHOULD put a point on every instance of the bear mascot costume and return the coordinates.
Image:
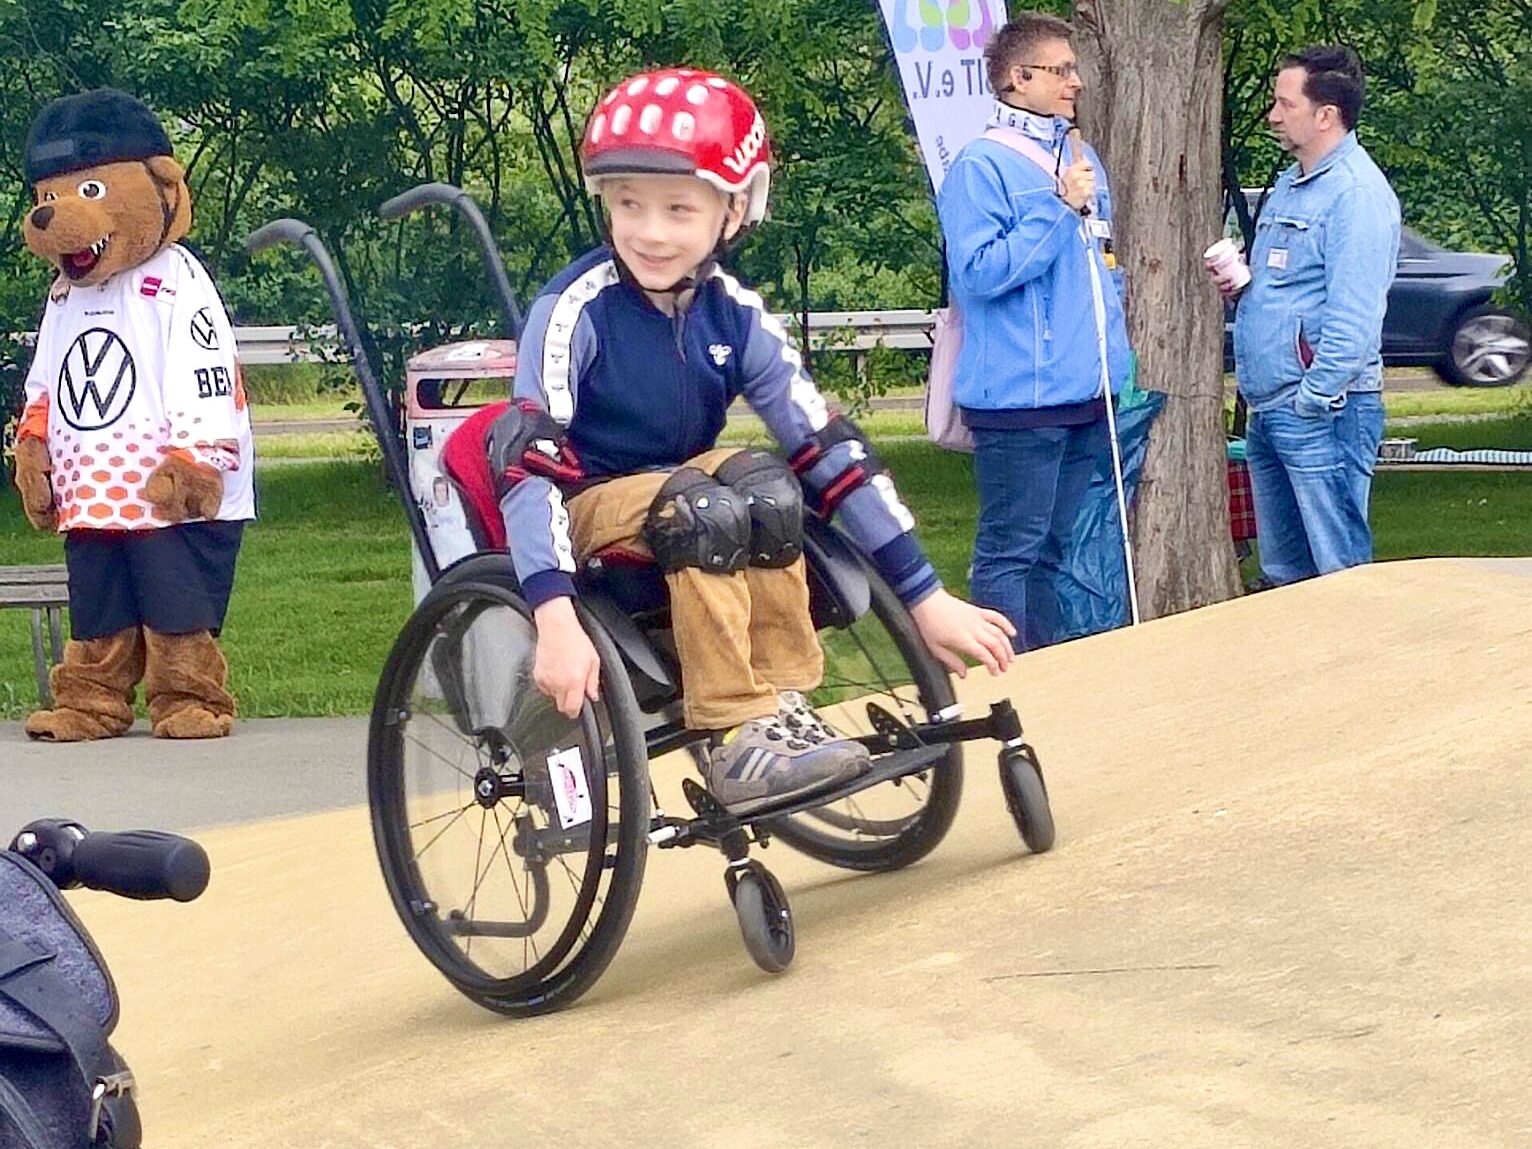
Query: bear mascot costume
(135, 440)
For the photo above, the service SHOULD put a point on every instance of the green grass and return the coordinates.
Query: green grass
(325, 407)
(1459, 401)
(323, 584)
(1506, 434)
(318, 445)
(297, 383)
(1422, 514)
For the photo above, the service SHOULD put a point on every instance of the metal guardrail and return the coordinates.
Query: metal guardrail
(855, 331)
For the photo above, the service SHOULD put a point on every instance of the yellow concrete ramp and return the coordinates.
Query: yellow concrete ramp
(1288, 908)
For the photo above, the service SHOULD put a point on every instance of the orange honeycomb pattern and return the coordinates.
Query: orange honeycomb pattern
(99, 476)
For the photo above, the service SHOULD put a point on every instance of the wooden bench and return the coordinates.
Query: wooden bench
(45, 591)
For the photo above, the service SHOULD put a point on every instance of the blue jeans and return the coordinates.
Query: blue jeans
(1031, 485)
(1310, 477)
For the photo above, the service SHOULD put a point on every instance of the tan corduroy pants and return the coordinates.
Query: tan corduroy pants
(740, 637)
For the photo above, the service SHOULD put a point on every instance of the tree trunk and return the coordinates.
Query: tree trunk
(1153, 73)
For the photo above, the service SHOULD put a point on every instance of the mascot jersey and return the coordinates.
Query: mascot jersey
(108, 426)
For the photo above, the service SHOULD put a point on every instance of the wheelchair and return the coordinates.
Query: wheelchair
(513, 840)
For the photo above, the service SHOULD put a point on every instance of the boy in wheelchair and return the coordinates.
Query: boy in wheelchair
(627, 364)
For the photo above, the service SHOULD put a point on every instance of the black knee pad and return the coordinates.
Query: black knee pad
(695, 521)
(775, 500)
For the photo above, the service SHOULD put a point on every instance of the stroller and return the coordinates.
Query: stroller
(62, 1086)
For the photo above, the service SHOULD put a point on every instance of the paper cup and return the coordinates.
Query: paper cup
(1226, 262)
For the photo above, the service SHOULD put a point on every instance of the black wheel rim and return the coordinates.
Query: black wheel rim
(475, 781)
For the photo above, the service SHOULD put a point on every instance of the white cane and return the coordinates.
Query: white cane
(1122, 507)
(1077, 144)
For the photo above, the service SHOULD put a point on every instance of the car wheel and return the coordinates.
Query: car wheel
(1487, 348)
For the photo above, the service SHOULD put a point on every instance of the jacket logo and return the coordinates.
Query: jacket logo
(203, 332)
(153, 287)
(97, 381)
(748, 149)
(720, 353)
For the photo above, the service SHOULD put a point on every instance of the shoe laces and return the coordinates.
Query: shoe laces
(773, 729)
(799, 717)
(777, 730)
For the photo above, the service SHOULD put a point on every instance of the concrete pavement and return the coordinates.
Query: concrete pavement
(1288, 907)
(272, 767)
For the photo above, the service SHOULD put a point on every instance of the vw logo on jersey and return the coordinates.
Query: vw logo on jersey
(203, 332)
(97, 380)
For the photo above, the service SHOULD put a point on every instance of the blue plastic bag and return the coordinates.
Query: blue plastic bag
(1093, 586)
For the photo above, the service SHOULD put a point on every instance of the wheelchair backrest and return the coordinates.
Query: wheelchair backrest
(444, 388)
(466, 463)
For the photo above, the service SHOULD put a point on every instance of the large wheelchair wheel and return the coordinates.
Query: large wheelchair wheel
(512, 839)
(880, 659)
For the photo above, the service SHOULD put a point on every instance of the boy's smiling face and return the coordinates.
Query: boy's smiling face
(664, 227)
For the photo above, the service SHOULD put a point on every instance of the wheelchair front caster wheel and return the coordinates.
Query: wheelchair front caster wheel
(765, 918)
(1021, 777)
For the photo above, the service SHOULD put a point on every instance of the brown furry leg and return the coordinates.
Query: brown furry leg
(185, 686)
(92, 689)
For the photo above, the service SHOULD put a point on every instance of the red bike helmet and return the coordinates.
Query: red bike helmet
(681, 121)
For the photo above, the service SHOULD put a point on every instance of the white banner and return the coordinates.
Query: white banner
(939, 49)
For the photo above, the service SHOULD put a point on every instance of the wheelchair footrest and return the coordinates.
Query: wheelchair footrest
(885, 768)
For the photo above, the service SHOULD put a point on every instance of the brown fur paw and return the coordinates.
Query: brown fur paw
(33, 480)
(180, 489)
(65, 725)
(194, 722)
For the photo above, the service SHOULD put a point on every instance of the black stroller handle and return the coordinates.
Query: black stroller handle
(425, 195)
(296, 232)
(142, 864)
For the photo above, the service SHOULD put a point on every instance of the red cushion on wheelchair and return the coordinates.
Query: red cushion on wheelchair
(466, 463)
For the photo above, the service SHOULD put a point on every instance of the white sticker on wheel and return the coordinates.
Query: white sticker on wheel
(566, 770)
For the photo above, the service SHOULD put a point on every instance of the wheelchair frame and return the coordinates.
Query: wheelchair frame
(901, 748)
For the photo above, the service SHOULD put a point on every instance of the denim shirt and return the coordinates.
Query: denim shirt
(1326, 249)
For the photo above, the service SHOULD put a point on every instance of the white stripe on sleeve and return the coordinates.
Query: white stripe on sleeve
(805, 395)
(558, 341)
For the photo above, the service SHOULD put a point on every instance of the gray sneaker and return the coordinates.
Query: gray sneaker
(762, 762)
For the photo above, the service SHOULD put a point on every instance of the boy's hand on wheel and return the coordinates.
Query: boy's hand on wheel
(955, 630)
(567, 668)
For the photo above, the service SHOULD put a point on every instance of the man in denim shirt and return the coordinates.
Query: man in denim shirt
(1310, 323)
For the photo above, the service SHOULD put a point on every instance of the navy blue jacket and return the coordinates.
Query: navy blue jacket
(637, 389)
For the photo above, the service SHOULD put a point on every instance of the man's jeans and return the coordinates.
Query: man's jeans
(1310, 478)
(1031, 485)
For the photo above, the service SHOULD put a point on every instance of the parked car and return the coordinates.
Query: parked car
(1440, 314)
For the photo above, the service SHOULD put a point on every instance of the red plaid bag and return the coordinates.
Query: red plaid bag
(1241, 502)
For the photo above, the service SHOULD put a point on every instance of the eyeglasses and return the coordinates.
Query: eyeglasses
(1062, 71)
